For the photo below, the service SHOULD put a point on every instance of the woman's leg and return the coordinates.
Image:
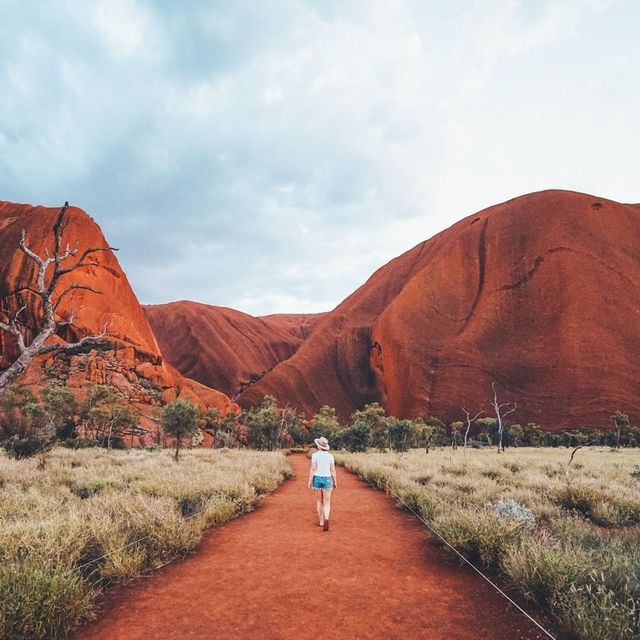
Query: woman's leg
(326, 499)
(319, 505)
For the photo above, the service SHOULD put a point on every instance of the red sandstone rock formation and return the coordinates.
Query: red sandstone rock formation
(224, 348)
(130, 360)
(539, 294)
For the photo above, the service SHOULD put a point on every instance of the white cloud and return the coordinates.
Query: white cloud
(126, 28)
(272, 155)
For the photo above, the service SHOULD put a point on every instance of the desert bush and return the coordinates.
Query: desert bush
(41, 602)
(543, 569)
(599, 506)
(482, 536)
(513, 510)
(593, 593)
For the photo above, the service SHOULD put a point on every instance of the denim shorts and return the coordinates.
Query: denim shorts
(322, 482)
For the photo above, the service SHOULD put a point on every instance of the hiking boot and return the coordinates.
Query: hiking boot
(325, 526)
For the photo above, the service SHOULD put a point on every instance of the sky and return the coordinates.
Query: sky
(270, 155)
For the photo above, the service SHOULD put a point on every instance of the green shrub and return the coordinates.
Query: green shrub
(481, 536)
(41, 602)
(543, 569)
(601, 508)
(593, 594)
(20, 447)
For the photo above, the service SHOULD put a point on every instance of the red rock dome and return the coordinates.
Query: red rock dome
(538, 294)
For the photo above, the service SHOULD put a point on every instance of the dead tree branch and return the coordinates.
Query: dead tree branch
(573, 453)
(469, 420)
(44, 298)
(501, 410)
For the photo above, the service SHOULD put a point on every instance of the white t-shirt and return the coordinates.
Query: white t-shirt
(323, 460)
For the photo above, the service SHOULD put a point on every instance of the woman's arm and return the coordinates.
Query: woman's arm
(333, 475)
(312, 471)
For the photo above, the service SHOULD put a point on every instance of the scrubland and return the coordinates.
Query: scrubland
(567, 537)
(95, 517)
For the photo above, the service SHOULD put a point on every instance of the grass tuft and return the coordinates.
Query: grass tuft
(98, 517)
(568, 542)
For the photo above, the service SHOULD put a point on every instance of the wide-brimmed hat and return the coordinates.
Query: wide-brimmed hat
(322, 443)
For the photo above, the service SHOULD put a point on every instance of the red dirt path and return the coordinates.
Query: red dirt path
(274, 574)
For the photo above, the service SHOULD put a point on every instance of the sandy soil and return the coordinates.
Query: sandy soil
(274, 574)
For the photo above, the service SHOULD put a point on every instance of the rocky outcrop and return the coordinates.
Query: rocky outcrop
(224, 348)
(539, 294)
(129, 358)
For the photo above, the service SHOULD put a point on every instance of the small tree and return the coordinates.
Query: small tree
(401, 433)
(180, 420)
(263, 423)
(516, 435)
(106, 414)
(326, 424)
(374, 416)
(25, 427)
(456, 428)
(431, 431)
(290, 426)
(620, 421)
(488, 429)
(532, 435)
(61, 407)
(502, 410)
(211, 421)
(30, 312)
(230, 430)
(356, 437)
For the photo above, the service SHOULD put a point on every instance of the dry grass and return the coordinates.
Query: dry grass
(567, 537)
(95, 517)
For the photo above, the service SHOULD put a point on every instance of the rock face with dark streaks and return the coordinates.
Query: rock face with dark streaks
(224, 348)
(539, 294)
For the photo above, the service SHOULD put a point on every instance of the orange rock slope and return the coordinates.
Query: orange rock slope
(130, 358)
(538, 294)
(224, 348)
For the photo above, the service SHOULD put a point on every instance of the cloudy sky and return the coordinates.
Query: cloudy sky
(270, 155)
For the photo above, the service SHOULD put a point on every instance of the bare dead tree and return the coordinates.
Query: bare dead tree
(501, 410)
(469, 421)
(39, 303)
(573, 453)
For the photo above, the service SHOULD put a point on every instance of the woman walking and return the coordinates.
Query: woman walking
(322, 477)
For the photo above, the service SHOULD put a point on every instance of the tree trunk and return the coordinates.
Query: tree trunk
(109, 434)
